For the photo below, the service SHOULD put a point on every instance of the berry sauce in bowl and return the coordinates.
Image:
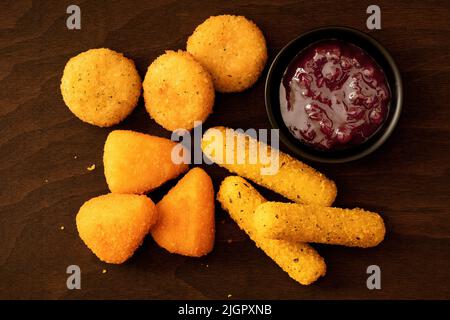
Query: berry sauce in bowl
(335, 95)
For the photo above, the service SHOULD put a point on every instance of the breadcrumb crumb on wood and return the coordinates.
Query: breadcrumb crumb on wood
(91, 167)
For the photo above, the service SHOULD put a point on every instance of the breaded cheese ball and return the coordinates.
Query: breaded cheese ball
(101, 86)
(186, 216)
(178, 91)
(137, 163)
(232, 49)
(113, 226)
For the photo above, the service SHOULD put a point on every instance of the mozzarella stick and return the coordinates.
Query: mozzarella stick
(267, 167)
(310, 223)
(299, 260)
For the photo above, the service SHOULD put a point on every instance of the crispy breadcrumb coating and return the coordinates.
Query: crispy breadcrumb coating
(310, 223)
(232, 49)
(178, 91)
(137, 163)
(101, 86)
(298, 259)
(186, 222)
(113, 226)
(294, 179)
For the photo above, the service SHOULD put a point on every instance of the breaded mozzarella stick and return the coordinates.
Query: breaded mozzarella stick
(309, 223)
(299, 260)
(293, 179)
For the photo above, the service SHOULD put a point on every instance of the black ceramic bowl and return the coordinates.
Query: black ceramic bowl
(375, 50)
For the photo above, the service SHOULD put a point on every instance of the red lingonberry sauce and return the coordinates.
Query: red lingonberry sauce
(333, 95)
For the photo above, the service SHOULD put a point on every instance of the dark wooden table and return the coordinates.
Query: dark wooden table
(45, 150)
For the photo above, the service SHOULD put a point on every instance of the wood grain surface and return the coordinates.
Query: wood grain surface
(45, 150)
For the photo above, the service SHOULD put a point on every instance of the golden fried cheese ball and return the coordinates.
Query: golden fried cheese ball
(232, 49)
(178, 91)
(137, 163)
(100, 86)
(113, 226)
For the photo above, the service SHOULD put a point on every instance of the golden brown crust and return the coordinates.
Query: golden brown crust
(309, 223)
(113, 226)
(137, 163)
(232, 49)
(100, 86)
(298, 259)
(178, 91)
(186, 216)
(294, 179)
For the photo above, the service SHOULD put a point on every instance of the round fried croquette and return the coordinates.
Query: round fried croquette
(113, 226)
(232, 49)
(100, 86)
(178, 91)
(186, 216)
(137, 163)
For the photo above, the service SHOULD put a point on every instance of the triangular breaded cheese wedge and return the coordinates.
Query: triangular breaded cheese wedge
(137, 163)
(113, 226)
(186, 216)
